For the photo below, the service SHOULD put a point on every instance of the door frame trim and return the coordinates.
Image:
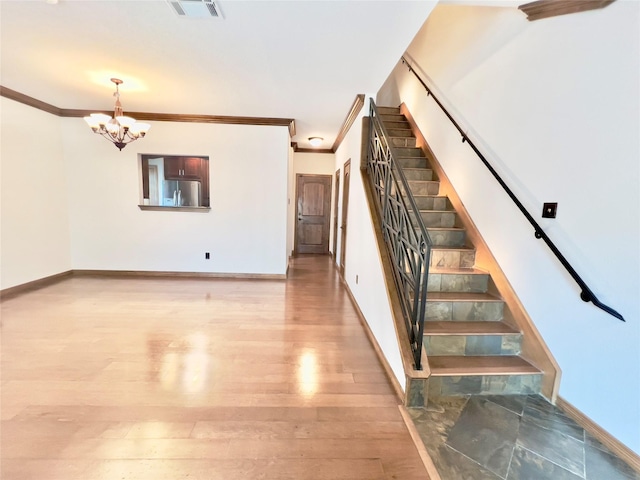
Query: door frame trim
(342, 264)
(336, 204)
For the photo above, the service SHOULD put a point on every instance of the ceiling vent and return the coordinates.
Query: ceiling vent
(196, 8)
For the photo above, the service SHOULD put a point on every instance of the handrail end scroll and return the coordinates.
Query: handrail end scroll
(588, 296)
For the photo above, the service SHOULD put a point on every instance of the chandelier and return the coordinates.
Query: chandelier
(120, 129)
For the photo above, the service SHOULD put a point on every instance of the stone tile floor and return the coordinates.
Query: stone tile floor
(519, 437)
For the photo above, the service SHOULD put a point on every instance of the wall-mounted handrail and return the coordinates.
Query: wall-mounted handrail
(586, 294)
(406, 238)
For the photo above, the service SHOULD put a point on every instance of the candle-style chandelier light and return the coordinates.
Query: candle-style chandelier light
(120, 129)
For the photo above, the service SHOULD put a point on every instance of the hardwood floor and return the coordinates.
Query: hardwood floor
(130, 378)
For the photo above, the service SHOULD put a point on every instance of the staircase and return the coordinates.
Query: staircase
(470, 347)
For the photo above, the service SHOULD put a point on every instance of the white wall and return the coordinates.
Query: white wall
(554, 104)
(312, 164)
(245, 231)
(362, 258)
(34, 218)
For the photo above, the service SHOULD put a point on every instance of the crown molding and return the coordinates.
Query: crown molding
(357, 105)
(157, 117)
(30, 101)
(552, 8)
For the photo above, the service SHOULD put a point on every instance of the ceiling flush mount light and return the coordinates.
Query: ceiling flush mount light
(120, 129)
(315, 141)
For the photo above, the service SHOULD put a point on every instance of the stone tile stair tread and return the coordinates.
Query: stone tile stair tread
(457, 271)
(468, 328)
(431, 211)
(453, 248)
(439, 197)
(480, 365)
(457, 229)
(409, 150)
(401, 158)
(461, 297)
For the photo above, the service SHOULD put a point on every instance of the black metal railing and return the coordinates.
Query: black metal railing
(586, 294)
(405, 235)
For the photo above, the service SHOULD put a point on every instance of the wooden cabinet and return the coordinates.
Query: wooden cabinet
(172, 168)
(192, 168)
(183, 168)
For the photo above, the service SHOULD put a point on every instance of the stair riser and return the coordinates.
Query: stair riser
(400, 132)
(419, 187)
(412, 162)
(473, 344)
(448, 238)
(403, 141)
(484, 385)
(402, 125)
(422, 174)
(433, 203)
(463, 311)
(449, 282)
(452, 259)
(392, 117)
(408, 152)
(388, 110)
(437, 219)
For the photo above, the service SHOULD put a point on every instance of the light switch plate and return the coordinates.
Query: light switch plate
(549, 210)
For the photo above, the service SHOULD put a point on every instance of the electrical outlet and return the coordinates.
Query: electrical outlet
(549, 210)
(206, 255)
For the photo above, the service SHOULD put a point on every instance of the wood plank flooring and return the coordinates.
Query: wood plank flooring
(156, 378)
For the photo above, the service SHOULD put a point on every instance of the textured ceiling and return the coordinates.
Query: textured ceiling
(299, 59)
